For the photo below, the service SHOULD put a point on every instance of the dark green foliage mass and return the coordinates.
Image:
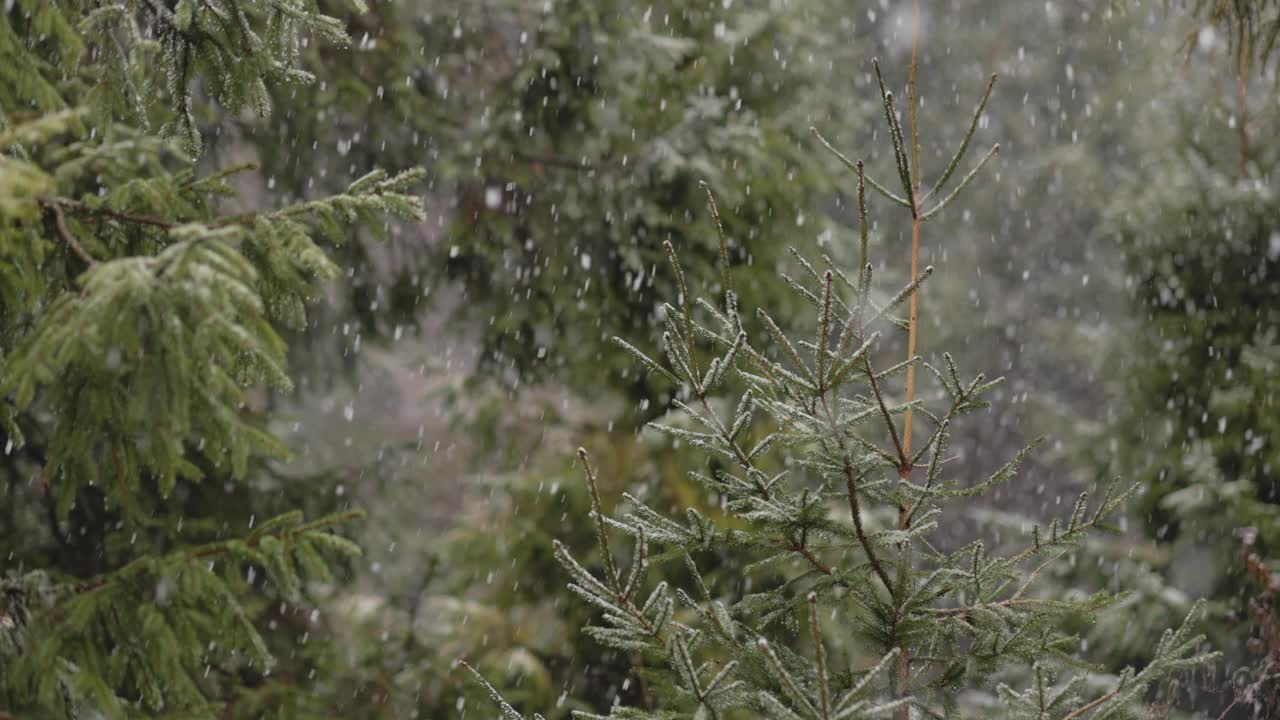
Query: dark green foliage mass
(1209, 373)
(1200, 232)
(593, 154)
(569, 142)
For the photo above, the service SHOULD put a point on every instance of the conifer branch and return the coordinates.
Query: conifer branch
(67, 237)
(855, 512)
(725, 281)
(132, 618)
(939, 443)
(508, 712)
(857, 167)
(905, 293)
(824, 333)
(963, 183)
(964, 143)
(899, 143)
(903, 462)
(781, 339)
(684, 308)
(807, 554)
(1088, 708)
(887, 193)
(597, 515)
(824, 692)
(851, 488)
(82, 208)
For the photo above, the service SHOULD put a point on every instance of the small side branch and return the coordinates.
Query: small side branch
(67, 237)
(597, 514)
(855, 511)
(817, 564)
(1085, 709)
(963, 183)
(904, 464)
(82, 209)
(855, 507)
(857, 167)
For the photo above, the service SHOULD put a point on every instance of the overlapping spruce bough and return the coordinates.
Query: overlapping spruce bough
(135, 314)
(928, 623)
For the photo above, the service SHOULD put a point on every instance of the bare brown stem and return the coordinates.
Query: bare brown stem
(1081, 711)
(851, 486)
(913, 102)
(813, 560)
(67, 237)
(903, 674)
(904, 464)
(855, 511)
(81, 208)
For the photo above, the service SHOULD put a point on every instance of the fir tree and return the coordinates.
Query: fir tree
(845, 609)
(138, 314)
(526, 643)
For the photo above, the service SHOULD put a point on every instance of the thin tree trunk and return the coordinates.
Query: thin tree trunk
(904, 512)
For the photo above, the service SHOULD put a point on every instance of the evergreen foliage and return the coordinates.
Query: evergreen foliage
(1044, 332)
(595, 152)
(147, 299)
(1207, 446)
(834, 617)
(143, 638)
(1198, 228)
(138, 314)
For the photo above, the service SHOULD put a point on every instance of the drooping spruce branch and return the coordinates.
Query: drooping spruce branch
(178, 335)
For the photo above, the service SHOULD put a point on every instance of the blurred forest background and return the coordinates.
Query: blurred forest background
(1121, 269)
